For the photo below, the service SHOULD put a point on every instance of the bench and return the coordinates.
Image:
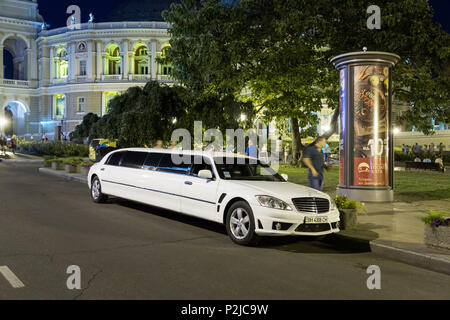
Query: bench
(423, 165)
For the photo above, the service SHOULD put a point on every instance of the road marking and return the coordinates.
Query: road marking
(11, 277)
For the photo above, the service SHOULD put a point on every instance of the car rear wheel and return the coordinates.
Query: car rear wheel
(96, 191)
(240, 224)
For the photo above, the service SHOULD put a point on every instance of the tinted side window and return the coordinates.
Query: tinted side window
(201, 163)
(166, 164)
(115, 158)
(133, 159)
(152, 160)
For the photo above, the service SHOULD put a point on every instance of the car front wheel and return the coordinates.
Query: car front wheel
(240, 224)
(96, 191)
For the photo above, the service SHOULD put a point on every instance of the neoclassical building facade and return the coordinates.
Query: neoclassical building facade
(51, 78)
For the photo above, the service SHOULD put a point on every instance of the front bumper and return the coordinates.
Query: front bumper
(293, 222)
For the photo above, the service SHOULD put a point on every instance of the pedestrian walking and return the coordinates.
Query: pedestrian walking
(251, 151)
(314, 160)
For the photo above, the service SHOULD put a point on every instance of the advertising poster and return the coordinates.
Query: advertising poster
(342, 126)
(371, 125)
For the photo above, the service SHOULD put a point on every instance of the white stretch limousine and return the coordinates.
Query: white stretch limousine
(246, 195)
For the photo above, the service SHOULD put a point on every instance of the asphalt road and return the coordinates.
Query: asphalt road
(131, 251)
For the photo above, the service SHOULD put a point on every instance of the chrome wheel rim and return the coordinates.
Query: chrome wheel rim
(96, 189)
(240, 223)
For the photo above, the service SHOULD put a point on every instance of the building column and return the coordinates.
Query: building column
(72, 66)
(52, 64)
(153, 61)
(131, 62)
(28, 53)
(90, 64)
(100, 60)
(1, 62)
(124, 60)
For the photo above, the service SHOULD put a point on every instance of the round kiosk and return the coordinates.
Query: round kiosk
(366, 145)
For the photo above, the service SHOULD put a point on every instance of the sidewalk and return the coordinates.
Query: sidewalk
(393, 230)
(20, 157)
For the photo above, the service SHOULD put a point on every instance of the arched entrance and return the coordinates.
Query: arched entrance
(15, 114)
(15, 61)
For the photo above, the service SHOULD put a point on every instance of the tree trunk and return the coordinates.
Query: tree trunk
(297, 147)
(333, 124)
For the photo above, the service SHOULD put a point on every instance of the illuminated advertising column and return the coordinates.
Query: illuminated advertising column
(366, 145)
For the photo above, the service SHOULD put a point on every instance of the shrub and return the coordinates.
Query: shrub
(73, 161)
(54, 148)
(342, 202)
(436, 218)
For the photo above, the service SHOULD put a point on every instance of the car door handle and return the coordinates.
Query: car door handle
(188, 183)
(102, 169)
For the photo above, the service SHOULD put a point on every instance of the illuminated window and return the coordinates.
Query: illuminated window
(112, 61)
(141, 59)
(166, 69)
(62, 62)
(107, 97)
(59, 103)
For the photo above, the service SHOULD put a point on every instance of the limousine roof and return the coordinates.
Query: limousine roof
(191, 152)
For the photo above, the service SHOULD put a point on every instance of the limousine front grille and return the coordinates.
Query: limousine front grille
(313, 205)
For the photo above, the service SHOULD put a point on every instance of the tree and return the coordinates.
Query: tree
(421, 78)
(140, 116)
(82, 131)
(280, 50)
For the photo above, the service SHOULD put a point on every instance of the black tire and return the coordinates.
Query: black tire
(97, 197)
(240, 237)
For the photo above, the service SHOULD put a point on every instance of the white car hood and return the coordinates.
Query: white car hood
(281, 190)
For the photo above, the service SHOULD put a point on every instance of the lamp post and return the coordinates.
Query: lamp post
(366, 135)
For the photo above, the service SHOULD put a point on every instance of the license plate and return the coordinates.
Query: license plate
(316, 219)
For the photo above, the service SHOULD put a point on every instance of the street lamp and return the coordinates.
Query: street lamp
(396, 131)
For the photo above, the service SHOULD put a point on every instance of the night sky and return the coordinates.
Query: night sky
(54, 12)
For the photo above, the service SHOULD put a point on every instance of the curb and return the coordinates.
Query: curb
(63, 175)
(422, 260)
(21, 161)
(417, 259)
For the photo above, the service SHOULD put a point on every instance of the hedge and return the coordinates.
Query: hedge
(54, 148)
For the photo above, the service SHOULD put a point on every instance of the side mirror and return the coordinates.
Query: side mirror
(285, 176)
(207, 174)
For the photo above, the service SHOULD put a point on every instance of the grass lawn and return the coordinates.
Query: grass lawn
(409, 186)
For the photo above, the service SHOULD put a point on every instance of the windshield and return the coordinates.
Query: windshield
(234, 168)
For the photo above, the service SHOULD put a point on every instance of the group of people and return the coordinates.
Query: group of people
(426, 153)
(6, 143)
(417, 149)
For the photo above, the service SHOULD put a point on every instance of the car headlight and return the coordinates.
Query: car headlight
(332, 205)
(272, 202)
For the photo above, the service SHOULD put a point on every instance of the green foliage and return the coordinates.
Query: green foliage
(73, 161)
(433, 215)
(342, 202)
(280, 50)
(53, 148)
(82, 131)
(141, 116)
